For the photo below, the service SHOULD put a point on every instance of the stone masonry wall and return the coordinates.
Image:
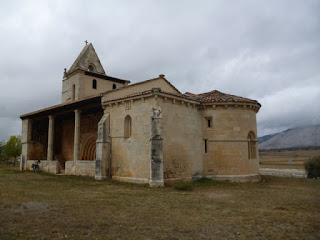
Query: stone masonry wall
(157, 83)
(227, 145)
(67, 89)
(102, 85)
(67, 139)
(131, 156)
(182, 139)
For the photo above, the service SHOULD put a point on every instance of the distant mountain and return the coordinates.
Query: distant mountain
(308, 136)
(266, 137)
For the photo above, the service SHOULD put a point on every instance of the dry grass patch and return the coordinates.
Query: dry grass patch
(43, 206)
(280, 160)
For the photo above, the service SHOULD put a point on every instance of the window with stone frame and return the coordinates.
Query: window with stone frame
(208, 120)
(252, 145)
(127, 127)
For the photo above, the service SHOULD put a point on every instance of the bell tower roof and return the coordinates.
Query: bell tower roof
(87, 60)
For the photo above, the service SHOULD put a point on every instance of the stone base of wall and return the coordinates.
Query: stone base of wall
(231, 178)
(186, 179)
(81, 168)
(68, 170)
(100, 177)
(131, 180)
(156, 183)
(45, 166)
(236, 178)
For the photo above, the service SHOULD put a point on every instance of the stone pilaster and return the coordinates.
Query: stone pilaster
(50, 138)
(76, 143)
(103, 144)
(156, 158)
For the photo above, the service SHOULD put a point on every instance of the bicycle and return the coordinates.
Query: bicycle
(35, 167)
(10, 162)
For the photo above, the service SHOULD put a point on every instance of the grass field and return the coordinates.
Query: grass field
(43, 206)
(281, 159)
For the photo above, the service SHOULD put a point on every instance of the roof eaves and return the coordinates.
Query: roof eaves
(55, 107)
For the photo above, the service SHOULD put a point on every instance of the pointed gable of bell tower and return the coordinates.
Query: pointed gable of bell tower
(87, 60)
(86, 77)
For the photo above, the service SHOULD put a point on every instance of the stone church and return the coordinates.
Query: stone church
(146, 132)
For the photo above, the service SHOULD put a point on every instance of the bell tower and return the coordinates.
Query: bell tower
(86, 77)
(76, 80)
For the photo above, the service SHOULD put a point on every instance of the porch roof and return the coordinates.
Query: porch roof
(63, 107)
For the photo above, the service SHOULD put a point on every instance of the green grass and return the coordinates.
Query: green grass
(44, 206)
(182, 185)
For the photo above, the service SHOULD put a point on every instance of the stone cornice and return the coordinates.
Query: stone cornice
(157, 93)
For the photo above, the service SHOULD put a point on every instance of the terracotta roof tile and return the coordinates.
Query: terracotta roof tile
(216, 96)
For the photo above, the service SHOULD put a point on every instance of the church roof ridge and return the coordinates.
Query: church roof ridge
(161, 76)
(149, 91)
(149, 80)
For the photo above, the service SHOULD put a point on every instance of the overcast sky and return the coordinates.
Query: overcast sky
(265, 50)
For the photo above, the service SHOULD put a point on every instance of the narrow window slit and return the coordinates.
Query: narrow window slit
(205, 146)
(94, 84)
(209, 123)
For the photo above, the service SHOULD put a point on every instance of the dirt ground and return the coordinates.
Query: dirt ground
(281, 159)
(43, 206)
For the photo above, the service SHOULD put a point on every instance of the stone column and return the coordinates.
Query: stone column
(103, 154)
(25, 141)
(76, 143)
(156, 168)
(50, 138)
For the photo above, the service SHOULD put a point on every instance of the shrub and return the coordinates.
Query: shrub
(312, 167)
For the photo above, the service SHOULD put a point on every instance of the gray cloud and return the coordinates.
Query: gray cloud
(265, 50)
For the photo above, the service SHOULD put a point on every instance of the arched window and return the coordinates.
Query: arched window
(94, 84)
(252, 145)
(114, 86)
(91, 68)
(127, 126)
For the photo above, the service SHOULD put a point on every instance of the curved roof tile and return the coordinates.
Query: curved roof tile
(216, 96)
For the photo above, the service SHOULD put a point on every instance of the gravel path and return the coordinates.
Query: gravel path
(297, 173)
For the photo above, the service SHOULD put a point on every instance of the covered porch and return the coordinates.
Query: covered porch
(62, 137)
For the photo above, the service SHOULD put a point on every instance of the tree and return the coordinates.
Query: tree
(2, 154)
(13, 147)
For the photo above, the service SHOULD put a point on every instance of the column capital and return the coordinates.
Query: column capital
(77, 110)
(51, 117)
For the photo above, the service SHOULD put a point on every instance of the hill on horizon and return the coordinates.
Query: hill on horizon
(308, 136)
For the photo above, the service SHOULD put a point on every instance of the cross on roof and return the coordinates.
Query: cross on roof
(86, 42)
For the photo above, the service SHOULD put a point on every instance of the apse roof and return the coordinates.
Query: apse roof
(217, 96)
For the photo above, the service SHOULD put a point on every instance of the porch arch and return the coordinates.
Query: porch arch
(89, 149)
